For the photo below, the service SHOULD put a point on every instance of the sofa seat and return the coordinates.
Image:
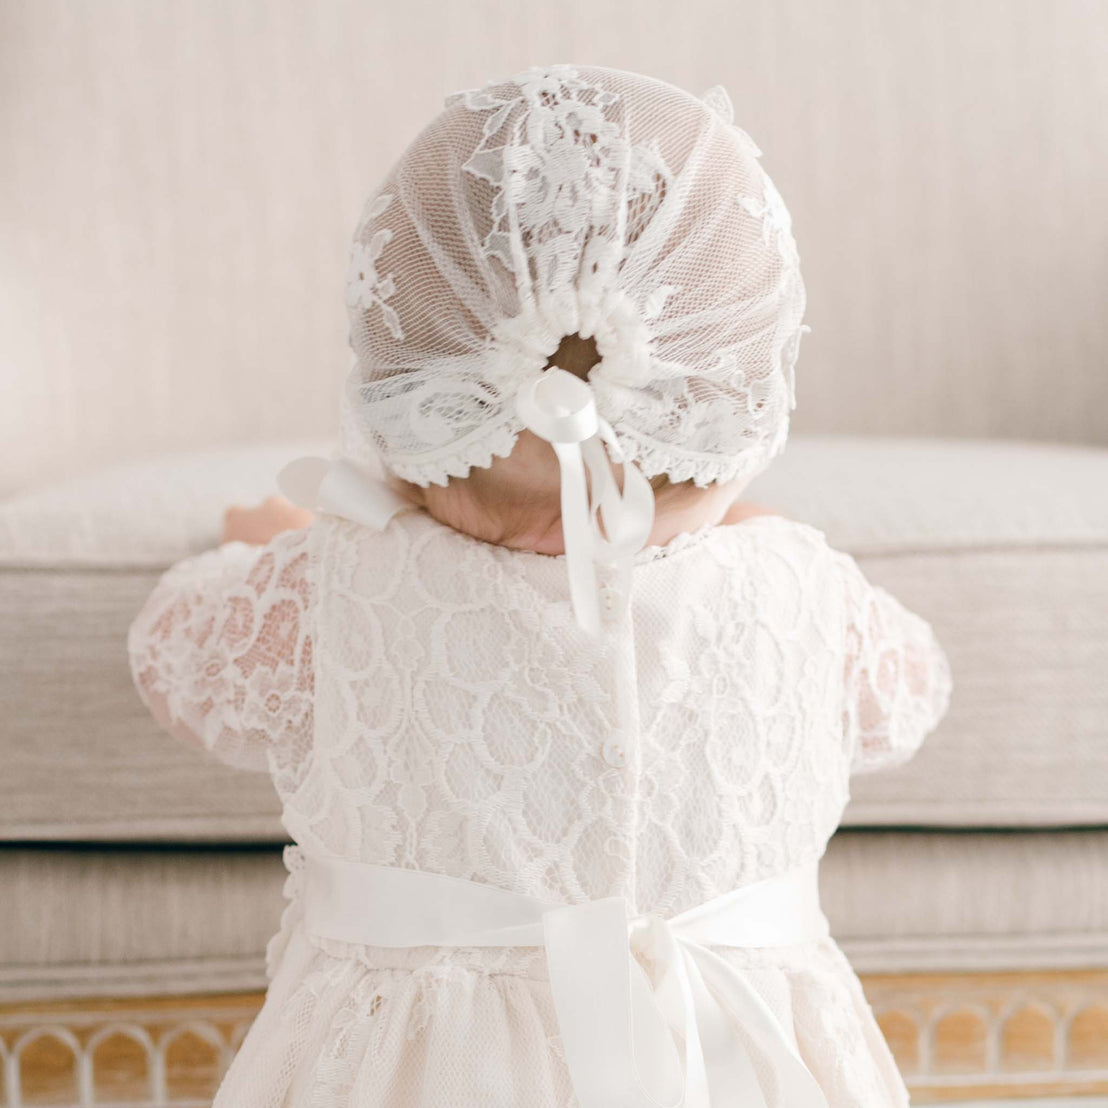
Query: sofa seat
(1003, 546)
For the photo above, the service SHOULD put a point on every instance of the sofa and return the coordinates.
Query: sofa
(969, 887)
(174, 332)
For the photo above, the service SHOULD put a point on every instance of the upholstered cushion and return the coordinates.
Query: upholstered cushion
(1002, 546)
(134, 921)
(82, 756)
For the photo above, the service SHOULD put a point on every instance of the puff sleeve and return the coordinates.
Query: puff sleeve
(221, 651)
(897, 676)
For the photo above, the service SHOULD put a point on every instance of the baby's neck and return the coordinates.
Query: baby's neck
(672, 516)
(708, 509)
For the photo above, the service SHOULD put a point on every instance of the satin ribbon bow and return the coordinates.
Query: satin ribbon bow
(340, 488)
(561, 408)
(617, 1027)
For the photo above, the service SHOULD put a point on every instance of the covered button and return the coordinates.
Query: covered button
(614, 754)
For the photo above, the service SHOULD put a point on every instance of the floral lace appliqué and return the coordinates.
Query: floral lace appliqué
(559, 187)
(364, 286)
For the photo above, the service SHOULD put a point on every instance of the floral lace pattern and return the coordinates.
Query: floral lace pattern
(364, 287)
(900, 679)
(556, 172)
(222, 654)
(425, 699)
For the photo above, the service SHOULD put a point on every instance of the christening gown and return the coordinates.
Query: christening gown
(425, 700)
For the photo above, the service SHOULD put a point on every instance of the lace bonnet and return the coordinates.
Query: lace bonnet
(574, 200)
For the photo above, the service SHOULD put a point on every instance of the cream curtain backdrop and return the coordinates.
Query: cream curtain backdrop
(181, 179)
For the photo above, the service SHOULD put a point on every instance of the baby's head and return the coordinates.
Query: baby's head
(601, 221)
(515, 501)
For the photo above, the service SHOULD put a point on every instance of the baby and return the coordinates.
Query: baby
(560, 725)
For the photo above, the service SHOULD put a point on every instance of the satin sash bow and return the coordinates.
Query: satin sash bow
(617, 1027)
(561, 408)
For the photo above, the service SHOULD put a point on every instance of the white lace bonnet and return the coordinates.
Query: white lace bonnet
(575, 200)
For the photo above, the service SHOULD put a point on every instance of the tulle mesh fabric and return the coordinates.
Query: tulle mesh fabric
(575, 200)
(430, 702)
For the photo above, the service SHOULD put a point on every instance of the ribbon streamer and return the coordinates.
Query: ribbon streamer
(561, 408)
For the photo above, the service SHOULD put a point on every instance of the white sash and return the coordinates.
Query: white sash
(617, 1028)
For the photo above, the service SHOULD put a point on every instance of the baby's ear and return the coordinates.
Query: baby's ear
(717, 99)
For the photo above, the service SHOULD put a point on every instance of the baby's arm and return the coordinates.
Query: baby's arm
(898, 678)
(221, 651)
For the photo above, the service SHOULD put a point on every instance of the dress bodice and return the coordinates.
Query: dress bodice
(464, 724)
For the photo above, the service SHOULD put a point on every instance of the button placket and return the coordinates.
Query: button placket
(617, 750)
(612, 603)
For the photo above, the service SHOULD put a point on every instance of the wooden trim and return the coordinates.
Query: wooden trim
(980, 1036)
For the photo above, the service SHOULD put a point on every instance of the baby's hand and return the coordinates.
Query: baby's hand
(258, 525)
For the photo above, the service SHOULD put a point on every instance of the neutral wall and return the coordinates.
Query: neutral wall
(179, 179)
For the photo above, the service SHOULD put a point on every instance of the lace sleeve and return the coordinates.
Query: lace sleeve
(898, 679)
(221, 652)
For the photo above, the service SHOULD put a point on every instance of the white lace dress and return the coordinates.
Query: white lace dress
(424, 699)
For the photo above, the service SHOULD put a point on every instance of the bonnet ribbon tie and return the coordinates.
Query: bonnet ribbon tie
(561, 408)
(618, 1027)
(340, 488)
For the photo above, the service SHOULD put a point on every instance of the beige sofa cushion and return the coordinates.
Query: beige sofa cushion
(1002, 546)
(137, 921)
(84, 759)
